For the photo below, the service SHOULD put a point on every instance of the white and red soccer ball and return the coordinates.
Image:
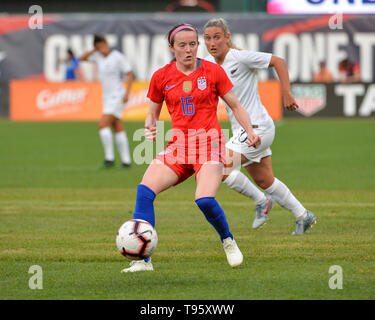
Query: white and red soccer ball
(136, 239)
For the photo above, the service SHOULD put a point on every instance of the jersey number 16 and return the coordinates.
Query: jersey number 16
(187, 107)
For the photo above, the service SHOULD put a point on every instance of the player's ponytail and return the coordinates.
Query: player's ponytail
(221, 23)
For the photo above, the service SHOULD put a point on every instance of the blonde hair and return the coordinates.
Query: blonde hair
(223, 24)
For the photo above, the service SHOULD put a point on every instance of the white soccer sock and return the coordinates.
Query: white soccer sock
(123, 146)
(284, 197)
(240, 183)
(107, 141)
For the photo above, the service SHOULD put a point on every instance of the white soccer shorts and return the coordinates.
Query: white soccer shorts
(114, 105)
(237, 144)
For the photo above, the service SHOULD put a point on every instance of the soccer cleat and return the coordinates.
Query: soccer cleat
(234, 255)
(125, 165)
(262, 212)
(304, 224)
(139, 265)
(107, 164)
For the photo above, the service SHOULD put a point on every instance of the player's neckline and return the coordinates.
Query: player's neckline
(110, 52)
(198, 65)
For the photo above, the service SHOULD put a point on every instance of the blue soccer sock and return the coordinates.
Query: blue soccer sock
(214, 215)
(144, 206)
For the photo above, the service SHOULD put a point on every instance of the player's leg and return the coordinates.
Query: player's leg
(122, 143)
(162, 173)
(238, 181)
(263, 176)
(208, 181)
(157, 178)
(106, 138)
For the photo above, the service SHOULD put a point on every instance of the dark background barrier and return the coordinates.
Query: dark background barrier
(4, 99)
(333, 100)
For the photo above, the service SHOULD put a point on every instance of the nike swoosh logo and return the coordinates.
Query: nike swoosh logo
(233, 71)
(265, 212)
(170, 87)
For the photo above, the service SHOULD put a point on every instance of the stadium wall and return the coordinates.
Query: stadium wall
(303, 40)
(4, 99)
(333, 100)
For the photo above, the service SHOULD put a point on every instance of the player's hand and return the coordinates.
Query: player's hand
(150, 133)
(253, 140)
(289, 101)
(125, 99)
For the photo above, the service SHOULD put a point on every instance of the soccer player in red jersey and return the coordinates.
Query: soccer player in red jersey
(191, 88)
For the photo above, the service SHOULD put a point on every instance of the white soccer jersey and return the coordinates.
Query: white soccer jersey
(241, 67)
(110, 69)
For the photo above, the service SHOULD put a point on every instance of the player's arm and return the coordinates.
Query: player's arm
(79, 73)
(282, 71)
(78, 70)
(129, 82)
(151, 120)
(242, 117)
(86, 55)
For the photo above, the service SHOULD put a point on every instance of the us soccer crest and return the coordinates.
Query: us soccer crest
(202, 83)
(187, 85)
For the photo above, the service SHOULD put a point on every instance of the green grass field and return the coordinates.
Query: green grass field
(59, 212)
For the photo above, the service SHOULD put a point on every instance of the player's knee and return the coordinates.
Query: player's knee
(118, 126)
(263, 181)
(103, 124)
(118, 129)
(205, 194)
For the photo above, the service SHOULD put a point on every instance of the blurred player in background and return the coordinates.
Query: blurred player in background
(241, 66)
(323, 75)
(73, 70)
(191, 88)
(111, 64)
(190, 6)
(349, 72)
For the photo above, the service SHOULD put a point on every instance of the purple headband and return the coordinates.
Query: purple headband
(179, 29)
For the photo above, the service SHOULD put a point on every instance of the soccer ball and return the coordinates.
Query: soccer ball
(136, 239)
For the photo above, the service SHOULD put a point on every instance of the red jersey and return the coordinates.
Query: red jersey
(192, 103)
(191, 99)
